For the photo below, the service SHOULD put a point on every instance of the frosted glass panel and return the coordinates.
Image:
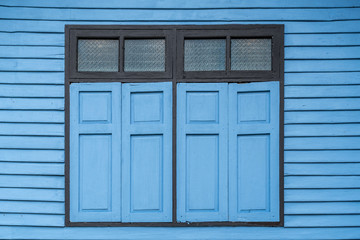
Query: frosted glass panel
(251, 54)
(204, 55)
(144, 55)
(98, 55)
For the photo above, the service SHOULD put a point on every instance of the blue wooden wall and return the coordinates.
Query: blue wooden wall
(322, 112)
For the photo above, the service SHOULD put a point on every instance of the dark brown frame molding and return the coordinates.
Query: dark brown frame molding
(174, 36)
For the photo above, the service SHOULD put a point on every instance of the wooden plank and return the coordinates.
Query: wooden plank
(32, 39)
(19, 181)
(31, 116)
(342, 52)
(51, 195)
(27, 155)
(32, 129)
(327, 169)
(11, 90)
(321, 195)
(179, 14)
(322, 117)
(320, 182)
(322, 91)
(56, 169)
(339, 37)
(184, 4)
(43, 26)
(31, 52)
(7, 219)
(322, 143)
(186, 233)
(321, 65)
(31, 142)
(332, 78)
(323, 156)
(32, 207)
(296, 130)
(322, 104)
(32, 77)
(32, 103)
(312, 208)
(323, 221)
(52, 65)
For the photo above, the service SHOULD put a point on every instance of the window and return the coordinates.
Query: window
(174, 125)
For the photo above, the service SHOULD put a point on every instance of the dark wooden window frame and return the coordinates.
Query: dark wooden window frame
(174, 36)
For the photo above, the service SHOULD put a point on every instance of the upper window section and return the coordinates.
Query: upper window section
(144, 55)
(228, 53)
(98, 55)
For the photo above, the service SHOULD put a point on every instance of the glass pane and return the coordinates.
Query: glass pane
(144, 55)
(98, 55)
(251, 54)
(205, 55)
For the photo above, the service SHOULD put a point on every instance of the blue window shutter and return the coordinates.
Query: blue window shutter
(147, 152)
(254, 152)
(95, 116)
(202, 152)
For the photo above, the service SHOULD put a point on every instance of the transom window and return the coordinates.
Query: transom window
(174, 125)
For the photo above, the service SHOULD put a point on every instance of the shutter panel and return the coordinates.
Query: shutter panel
(147, 152)
(95, 152)
(202, 190)
(254, 152)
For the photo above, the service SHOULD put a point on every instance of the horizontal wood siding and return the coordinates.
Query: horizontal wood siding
(322, 112)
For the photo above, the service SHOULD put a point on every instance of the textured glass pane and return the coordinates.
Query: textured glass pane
(251, 54)
(144, 55)
(98, 55)
(204, 55)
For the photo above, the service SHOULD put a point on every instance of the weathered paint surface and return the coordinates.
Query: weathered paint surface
(322, 113)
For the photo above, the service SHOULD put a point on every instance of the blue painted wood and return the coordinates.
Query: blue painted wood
(323, 156)
(321, 143)
(49, 182)
(147, 152)
(32, 77)
(254, 152)
(32, 220)
(31, 52)
(306, 130)
(322, 117)
(322, 104)
(181, 15)
(322, 208)
(343, 52)
(31, 142)
(32, 104)
(323, 220)
(28, 155)
(202, 155)
(21, 25)
(322, 91)
(332, 78)
(7, 116)
(95, 165)
(313, 182)
(10, 90)
(31, 129)
(16, 168)
(32, 207)
(326, 169)
(50, 65)
(197, 4)
(321, 195)
(28, 194)
(335, 38)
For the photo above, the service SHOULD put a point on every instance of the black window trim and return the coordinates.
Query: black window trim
(174, 35)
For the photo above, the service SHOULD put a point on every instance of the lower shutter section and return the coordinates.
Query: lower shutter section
(254, 152)
(95, 130)
(202, 152)
(147, 152)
